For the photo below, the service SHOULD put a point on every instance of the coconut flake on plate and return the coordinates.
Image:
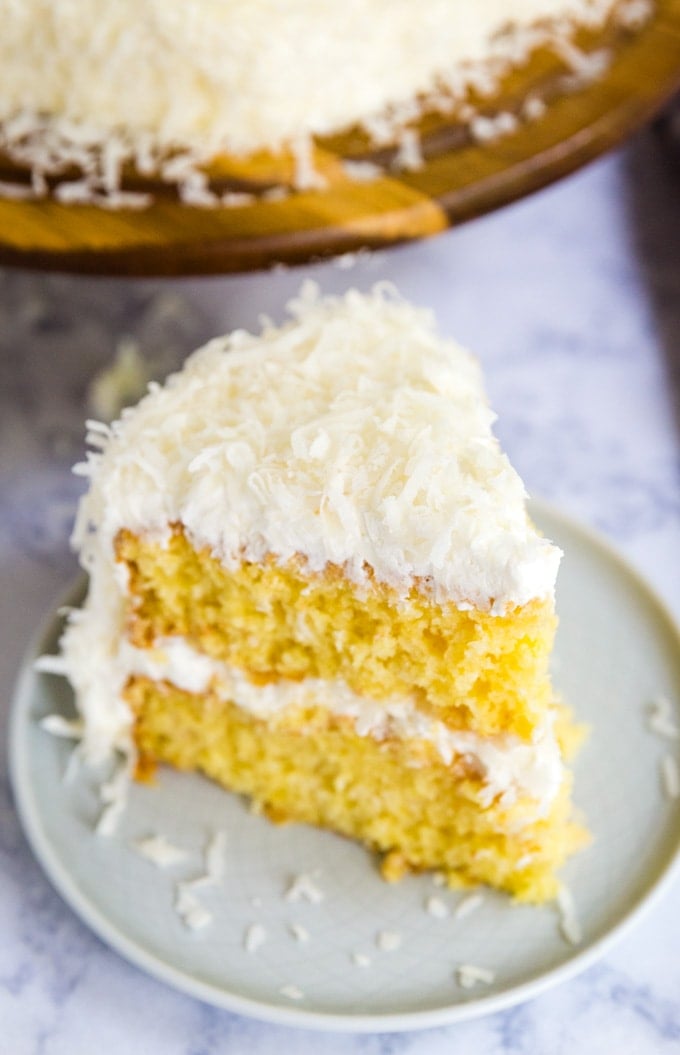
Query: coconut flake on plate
(300, 933)
(661, 718)
(159, 851)
(570, 926)
(468, 905)
(670, 777)
(388, 940)
(291, 992)
(254, 937)
(66, 728)
(304, 888)
(468, 975)
(434, 906)
(113, 793)
(214, 856)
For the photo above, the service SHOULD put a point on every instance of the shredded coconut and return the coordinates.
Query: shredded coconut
(360, 172)
(67, 728)
(113, 794)
(468, 976)
(159, 851)
(51, 665)
(434, 906)
(661, 718)
(409, 155)
(304, 888)
(291, 992)
(300, 933)
(214, 856)
(569, 922)
(166, 88)
(634, 13)
(190, 910)
(468, 905)
(17, 191)
(388, 940)
(670, 777)
(360, 959)
(534, 108)
(254, 938)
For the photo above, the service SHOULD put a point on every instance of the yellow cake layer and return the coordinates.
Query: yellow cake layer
(396, 796)
(472, 670)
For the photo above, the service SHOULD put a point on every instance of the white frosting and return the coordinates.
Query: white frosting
(509, 766)
(238, 75)
(352, 435)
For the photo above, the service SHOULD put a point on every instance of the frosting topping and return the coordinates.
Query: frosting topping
(351, 435)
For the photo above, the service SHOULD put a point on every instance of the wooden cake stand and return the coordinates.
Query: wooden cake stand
(461, 177)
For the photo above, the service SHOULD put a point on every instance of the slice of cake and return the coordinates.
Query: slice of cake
(313, 578)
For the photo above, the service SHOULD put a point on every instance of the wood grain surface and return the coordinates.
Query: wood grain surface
(461, 178)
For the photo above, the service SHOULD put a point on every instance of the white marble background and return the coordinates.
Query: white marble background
(572, 301)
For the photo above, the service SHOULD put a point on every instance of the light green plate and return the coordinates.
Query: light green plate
(617, 650)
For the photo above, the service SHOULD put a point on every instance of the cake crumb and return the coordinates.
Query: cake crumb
(360, 959)
(569, 923)
(468, 905)
(670, 777)
(434, 906)
(291, 992)
(393, 866)
(300, 933)
(304, 888)
(160, 852)
(468, 975)
(254, 937)
(439, 879)
(388, 940)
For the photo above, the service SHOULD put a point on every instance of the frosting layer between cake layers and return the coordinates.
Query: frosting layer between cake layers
(242, 75)
(507, 766)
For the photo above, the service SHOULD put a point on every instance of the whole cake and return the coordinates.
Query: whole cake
(147, 78)
(313, 578)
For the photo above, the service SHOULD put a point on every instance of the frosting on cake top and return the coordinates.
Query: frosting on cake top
(242, 75)
(352, 434)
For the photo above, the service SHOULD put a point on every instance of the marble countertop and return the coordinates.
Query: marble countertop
(572, 301)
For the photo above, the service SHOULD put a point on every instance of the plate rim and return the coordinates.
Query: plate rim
(302, 1017)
